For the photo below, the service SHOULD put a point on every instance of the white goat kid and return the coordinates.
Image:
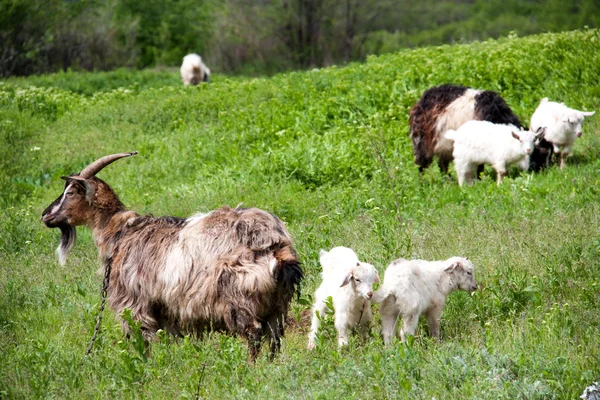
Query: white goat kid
(350, 284)
(562, 125)
(482, 142)
(414, 287)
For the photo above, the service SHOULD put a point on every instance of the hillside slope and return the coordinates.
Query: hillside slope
(327, 151)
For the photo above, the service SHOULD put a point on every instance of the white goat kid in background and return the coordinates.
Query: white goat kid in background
(413, 287)
(350, 284)
(562, 125)
(482, 142)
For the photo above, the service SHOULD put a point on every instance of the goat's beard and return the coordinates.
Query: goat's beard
(67, 241)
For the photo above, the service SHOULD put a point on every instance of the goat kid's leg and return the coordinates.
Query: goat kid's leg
(563, 157)
(464, 172)
(341, 325)
(410, 325)
(461, 174)
(471, 173)
(433, 318)
(389, 318)
(500, 173)
(365, 321)
(314, 326)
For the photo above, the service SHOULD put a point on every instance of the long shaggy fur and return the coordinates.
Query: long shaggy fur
(489, 106)
(448, 107)
(424, 118)
(231, 269)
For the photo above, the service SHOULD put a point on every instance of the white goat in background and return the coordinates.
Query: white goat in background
(562, 125)
(350, 284)
(482, 142)
(193, 71)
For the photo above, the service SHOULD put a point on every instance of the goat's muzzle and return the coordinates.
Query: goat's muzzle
(49, 220)
(50, 217)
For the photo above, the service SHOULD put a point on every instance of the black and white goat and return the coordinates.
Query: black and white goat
(446, 107)
(230, 269)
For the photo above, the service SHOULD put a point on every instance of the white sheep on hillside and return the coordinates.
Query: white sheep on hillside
(482, 142)
(562, 124)
(350, 284)
(413, 287)
(193, 70)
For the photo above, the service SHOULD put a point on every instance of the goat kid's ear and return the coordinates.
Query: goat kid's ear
(514, 134)
(347, 279)
(572, 117)
(323, 257)
(588, 113)
(376, 277)
(89, 189)
(453, 266)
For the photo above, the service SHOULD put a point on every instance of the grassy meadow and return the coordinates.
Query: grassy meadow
(328, 151)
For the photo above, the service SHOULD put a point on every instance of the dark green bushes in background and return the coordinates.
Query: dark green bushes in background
(256, 37)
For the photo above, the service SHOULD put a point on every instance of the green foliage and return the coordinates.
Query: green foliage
(327, 151)
(90, 83)
(257, 38)
(168, 30)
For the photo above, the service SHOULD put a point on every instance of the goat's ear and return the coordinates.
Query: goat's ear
(322, 256)
(540, 132)
(376, 277)
(588, 113)
(514, 134)
(453, 266)
(347, 279)
(544, 100)
(89, 189)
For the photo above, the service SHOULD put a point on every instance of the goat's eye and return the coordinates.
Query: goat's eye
(357, 280)
(469, 273)
(69, 194)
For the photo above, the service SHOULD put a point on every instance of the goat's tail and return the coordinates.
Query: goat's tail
(380, 295)
(450, 134)
(288, 271)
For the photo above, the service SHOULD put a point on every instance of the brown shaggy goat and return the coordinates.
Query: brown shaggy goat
(233, 270)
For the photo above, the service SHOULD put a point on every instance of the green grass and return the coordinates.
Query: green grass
(327, 151)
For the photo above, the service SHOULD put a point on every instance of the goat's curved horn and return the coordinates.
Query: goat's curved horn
(100, 163)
